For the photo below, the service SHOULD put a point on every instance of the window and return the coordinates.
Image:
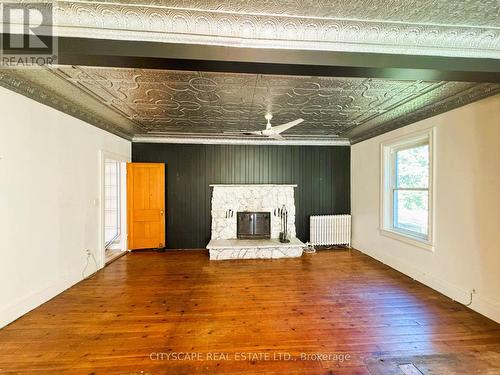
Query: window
(407, 187)
(112, 202)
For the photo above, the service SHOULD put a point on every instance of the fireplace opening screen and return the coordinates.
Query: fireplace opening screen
(253, 225)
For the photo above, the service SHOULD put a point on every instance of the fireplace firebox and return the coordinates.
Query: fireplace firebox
(253, 225)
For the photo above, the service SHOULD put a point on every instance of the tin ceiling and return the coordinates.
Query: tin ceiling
(429, 27)
(138, 103)
(161, 103)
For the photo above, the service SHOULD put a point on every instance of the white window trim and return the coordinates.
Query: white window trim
(386, 226)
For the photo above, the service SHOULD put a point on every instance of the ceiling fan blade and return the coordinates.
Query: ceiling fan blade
(258, 132)
(281, 128)
(242, 132)
(277, 137)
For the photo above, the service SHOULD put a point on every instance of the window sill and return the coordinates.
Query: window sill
(426, 245)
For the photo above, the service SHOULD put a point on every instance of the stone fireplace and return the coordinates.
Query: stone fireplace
(245, 223)
(228, 200)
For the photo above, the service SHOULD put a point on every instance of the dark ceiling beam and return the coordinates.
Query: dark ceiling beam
(153, 55)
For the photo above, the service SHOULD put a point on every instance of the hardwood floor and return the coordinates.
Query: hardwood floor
(236, 317)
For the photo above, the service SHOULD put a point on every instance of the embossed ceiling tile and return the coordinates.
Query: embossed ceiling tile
(468, 28)
(72, 73)
(308, 83)
(466, 12)
(232, 94)
(384, 84)
(108, 91)
(127, 74)
(113, 99)
(90, 73)
(178, 103)
(152, 75)
(230, 78)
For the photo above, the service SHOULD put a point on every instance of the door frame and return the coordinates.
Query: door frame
(103, 155)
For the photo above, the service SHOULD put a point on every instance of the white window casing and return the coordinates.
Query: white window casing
(388, 151)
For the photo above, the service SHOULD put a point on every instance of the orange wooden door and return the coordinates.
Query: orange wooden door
(146, 205)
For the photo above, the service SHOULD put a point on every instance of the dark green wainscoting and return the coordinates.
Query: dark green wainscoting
(321, 173)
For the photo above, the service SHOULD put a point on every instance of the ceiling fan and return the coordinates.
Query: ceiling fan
(273, 132)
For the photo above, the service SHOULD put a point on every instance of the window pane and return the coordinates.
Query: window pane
(111, 201)
(411, 210)
(412, 167)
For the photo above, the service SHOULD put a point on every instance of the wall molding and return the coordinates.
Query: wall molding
(250, 141)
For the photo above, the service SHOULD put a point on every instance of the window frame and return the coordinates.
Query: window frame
(388, 188)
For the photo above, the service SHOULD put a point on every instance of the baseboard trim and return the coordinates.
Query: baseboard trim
(26, 303)
(487, 307)
(480, 304)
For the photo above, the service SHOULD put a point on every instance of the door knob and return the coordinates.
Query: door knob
(161, 212)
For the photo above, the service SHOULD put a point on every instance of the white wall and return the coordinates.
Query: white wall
(49, 201)
(467, 207)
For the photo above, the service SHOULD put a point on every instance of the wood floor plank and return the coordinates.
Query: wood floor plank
(328, 313)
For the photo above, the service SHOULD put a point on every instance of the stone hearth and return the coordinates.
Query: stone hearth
(254, 249)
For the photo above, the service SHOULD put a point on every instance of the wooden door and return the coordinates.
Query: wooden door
(146, 205)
